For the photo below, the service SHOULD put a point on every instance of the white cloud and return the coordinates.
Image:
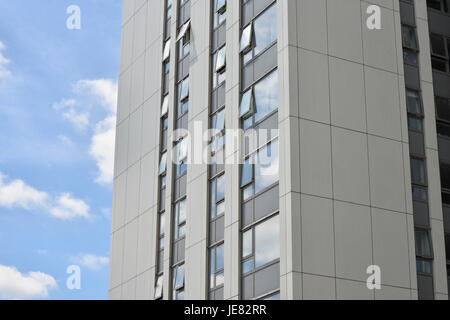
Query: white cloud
(66, 140)
(4, 62)
(102, 149)
(68, 207)
(69, 107)
(104, 90)
(18, 194)
(88, 94)
(15, 285)
(91, 261)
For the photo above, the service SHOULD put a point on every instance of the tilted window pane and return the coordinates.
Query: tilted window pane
(184, 29)
(267, 166)
(221, 59)
(165, 106)
(184, 89)
(163, 163)
(265, 29)
(267, 241)
(266, 96)
(246, 38)
(162, 224)
(166, 53)
(423, 266)
(246, 103)
(159, 287)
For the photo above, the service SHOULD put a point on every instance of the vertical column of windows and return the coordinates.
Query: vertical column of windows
(164, 114)
(259, 176)
(216, 168)
(180, 147)
(419, 179)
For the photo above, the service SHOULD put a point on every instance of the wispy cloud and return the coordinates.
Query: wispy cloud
(91, 261)
(4, 62)
(16, 285)
(70, 112)
(89, 94)
(18, 194)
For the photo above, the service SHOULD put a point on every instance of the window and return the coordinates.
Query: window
(246, 38)
(221, 59)
(180, 220)
(423, 251)
(163, 163)
(260, 100)
(178, 282)
(159, 288)
(413, 102)
(418, 171)
(183, 98)
(443, 109)
(260, 34)
(184, 93)
(217, 197)
(181, 157)
(247, 102)
(221, 5)
(165, 106)
(440, 52)
(409, 37)
(184, 31)
(220, 12)
(216, 266)
(261, 244)
(441, 5)
(445, 175)
(166, 53)
(260, 170)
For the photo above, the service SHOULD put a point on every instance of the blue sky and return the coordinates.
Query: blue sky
(57, 116)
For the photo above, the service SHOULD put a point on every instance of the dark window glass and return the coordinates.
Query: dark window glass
(418, 174)
(443, 108)
(437, 45)
(445, 175)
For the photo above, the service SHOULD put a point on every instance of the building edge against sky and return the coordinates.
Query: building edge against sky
(361, 151)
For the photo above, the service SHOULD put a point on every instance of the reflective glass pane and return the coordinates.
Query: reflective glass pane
(246, 102)
(266, 169)
(246, 37)
(221, 59)
(267, 241)
(219, 257)
(266, 96)
(163, 163)
(265, 29)
(413, 102)
(220, 188)
(247, 243)
(247, 172)
(165, 106)
(179, 282)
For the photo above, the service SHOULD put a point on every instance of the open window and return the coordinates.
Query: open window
(246, 38)
(184, 30)
(247, 103)
(166, 53)
(221, 60)
(159, 288)
(184, 94)
(165, 106)
(221, 6)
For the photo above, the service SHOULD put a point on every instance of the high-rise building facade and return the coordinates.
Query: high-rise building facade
(282, 149)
